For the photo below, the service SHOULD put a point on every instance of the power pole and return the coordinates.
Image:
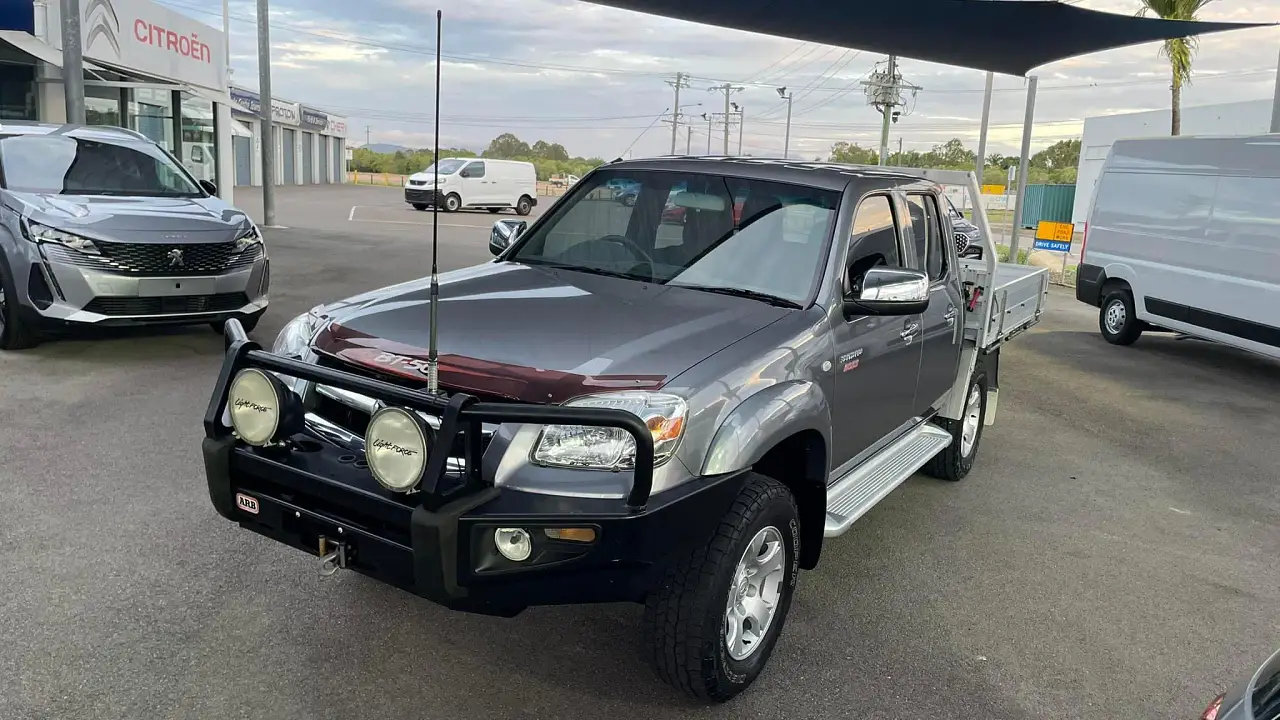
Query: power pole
(899, 150)
(264, 103)
(884, 93)
(728, 89)
(72, 62)
(681, 80)
(786, 139)
(741, 111)
(368, 135)
(708, 119)
(688, 139)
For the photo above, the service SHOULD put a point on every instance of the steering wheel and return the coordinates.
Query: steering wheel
(630, 245)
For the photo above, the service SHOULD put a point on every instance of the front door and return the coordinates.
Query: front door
(475, 186)
(877, 359)
(943, 324)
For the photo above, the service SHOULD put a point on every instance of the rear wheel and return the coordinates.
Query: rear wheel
(956, 460)
(524, 205)
(15, 334)
(711, 622)
(1118, 320)
(452, 203)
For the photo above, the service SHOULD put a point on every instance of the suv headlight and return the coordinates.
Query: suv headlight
(604, 448)
(38, 233)
(249, 238)
(295, 338)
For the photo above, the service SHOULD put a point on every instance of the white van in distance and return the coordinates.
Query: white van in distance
(475, 183)
(1183, 236)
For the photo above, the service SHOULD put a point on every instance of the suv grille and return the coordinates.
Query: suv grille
(149, 259)
(176, 305)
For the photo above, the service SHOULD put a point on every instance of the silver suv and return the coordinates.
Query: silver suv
(101, 226)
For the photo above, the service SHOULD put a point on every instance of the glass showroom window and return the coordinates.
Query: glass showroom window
(151, 113)
(199, 152)
(102, 105)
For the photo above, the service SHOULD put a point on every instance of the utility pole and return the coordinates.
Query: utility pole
(226, 35)
(681, 80)
(786, 138)
(368, 135)
(264, 107)
(741, 122)
(72, 62)
(728, 89)
(884, 93)
(1022, 169)
(899, 150)
(688, 139)
(708, 119)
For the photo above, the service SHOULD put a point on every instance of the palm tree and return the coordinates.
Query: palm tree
(1179, 50)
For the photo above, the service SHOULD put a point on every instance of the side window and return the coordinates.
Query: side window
(920, 230)
(197, 154)
(875, 240)
(937, 255)
(475, 170)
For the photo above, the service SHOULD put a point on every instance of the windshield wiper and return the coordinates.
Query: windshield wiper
(740, 292)
(580, 268)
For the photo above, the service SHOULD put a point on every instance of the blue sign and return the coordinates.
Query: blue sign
(1054, 245)
(247, 100)
(18, 15)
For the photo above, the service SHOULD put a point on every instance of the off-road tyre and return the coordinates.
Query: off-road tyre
(684, 617)
(953, 463)
(15, 333)
(524, 205)
(1129, 330)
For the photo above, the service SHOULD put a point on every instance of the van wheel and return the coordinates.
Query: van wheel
(711, 621)
(524, 205)
(15, 334)
(1118, 320)
(956, 460)
(452, 203)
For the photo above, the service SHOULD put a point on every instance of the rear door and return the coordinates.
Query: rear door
(941, 324)
(877, 359)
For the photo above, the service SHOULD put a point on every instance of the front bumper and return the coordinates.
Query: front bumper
(316, 496)
(420, 195)
(63, 289)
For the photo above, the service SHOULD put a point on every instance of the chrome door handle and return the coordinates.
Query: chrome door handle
(950, 317)
(910, 331)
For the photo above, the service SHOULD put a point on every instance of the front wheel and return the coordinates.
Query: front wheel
(452, 203)
(956, 460)
(524, 205)
(14, 332)
(712, 620)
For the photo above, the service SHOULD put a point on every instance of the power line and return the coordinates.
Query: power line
(761, 73)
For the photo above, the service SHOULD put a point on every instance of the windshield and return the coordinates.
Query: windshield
(692, 230)
(448, 166)
(65, 165)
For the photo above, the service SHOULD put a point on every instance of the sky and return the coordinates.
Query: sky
(596, 79)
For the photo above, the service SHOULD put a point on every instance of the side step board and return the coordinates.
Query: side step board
(857, 492)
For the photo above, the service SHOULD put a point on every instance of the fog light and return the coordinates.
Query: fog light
(514, 543)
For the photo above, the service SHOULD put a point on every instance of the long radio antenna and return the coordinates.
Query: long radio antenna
(433, 360)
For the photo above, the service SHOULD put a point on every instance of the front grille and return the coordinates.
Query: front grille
(420, 195)
(176, 305)
(148, 259)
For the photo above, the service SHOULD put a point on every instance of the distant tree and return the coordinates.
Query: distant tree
(1060, 155)
(508, 147)
(844, 152)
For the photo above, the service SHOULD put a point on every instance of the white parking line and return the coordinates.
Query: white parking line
(351, 217)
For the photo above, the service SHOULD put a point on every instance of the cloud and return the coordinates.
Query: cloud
(593, 78)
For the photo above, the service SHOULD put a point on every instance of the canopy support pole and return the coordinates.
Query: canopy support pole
(1023, 162)
(986, 122)
(1275, 103)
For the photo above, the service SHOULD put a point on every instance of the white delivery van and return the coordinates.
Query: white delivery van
(476, 183)
(1184, 236)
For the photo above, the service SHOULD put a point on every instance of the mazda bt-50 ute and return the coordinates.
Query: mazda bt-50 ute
(633, 404)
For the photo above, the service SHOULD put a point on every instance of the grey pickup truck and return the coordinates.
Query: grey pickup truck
(634, 403)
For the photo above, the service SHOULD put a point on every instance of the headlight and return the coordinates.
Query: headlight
(43, 233)
(295, 339)
(256, 402)
(396, 446)
(250, 237)
(607, 448)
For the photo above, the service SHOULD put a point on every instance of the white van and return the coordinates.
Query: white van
(477, 183)
(1184, 236)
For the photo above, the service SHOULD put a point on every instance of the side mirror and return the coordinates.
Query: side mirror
(208, 187)
(504, 233)
(890, 291)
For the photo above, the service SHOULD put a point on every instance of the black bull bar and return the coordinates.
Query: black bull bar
(461, 419)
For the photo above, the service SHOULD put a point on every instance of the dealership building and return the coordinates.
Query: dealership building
(1238, 118)
(164, 75)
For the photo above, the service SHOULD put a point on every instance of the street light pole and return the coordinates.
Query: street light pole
(786, 138)
(264, 109)
(72, 62)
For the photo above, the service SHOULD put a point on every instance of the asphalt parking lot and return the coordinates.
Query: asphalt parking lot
(1113, 553)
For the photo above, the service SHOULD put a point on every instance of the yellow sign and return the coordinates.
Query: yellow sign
(992, 189)
(1058, 231)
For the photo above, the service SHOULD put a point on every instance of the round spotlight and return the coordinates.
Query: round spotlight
(514, 543)
(254, 401)
(397, 445)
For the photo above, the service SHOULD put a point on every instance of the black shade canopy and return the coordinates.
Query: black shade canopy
(996, 35)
